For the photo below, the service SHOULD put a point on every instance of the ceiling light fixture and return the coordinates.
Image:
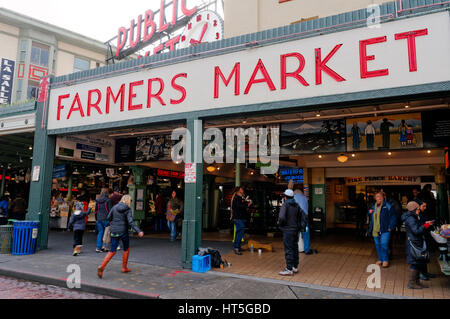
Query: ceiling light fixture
(342, 158)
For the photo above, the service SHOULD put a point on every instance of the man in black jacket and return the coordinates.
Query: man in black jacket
(239, 214)
(289, 225)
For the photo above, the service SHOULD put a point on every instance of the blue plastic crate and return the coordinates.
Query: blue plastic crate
(201, 264)
(24, 237)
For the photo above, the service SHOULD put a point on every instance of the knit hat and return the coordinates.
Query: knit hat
(412, 206)
(289, 193)
(79, 206)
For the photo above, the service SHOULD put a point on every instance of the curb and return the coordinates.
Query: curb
(315, 287)
(85, 287)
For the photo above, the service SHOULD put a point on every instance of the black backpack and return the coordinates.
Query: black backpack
(302, 220)
(216, 258)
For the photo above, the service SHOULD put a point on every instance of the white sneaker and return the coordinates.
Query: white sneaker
(286, 272)
(295, 270)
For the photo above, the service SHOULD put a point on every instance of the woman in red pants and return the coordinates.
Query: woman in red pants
(120, 218)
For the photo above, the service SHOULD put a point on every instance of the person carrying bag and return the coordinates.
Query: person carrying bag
(417, 255)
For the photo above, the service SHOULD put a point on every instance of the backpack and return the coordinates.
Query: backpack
(302, 220)
(216, 258)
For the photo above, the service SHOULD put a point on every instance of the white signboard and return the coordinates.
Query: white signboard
(36, 173)
(401, 53)
(190, 173)
(86, 148)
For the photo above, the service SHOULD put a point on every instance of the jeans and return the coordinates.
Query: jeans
(78, 238)
(101, 225)
(306, 240)
(290, 241)
(159, 222)
(240, 230)
(115, 241)
(382, 244)
(173, 229)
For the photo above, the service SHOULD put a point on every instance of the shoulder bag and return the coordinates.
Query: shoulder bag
(420, 255)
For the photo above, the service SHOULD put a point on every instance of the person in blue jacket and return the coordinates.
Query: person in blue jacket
(4, 213)
(383, 221)
(78, 222)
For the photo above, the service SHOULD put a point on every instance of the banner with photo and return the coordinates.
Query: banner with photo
(389, 132)
(326, 136)
(154, 148)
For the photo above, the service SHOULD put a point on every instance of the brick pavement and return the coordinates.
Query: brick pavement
(11, 288)
(341, 263)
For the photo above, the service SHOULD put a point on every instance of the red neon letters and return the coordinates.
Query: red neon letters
(150, 27)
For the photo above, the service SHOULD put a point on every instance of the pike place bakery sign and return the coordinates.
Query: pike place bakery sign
(402, 53)
(383, 180)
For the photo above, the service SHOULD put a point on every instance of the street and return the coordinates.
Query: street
(20, 289)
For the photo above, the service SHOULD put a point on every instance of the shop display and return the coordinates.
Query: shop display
(313, 137)
(388, 132)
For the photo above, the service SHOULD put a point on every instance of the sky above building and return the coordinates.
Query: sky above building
(97, 19)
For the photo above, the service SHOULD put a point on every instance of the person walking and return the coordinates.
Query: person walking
(115, 197)
(78, 222)
(423, 217)
(361, 208)
(102, 209)
(397, 210)
(288, 221)
(239, 209)
(302, 201)
(385, 129)
(121, 219)
(382, 222)
(370, 135)
(4, 212)
(415, 231)
(18, 208)
(174, 211)
(160, 206)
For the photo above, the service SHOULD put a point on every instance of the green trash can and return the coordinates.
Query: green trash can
(6, 233)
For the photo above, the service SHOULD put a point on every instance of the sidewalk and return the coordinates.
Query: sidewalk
(152, 279)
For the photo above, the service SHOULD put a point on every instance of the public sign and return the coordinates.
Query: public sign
(6, 80)
(402, 53)
(145, 30)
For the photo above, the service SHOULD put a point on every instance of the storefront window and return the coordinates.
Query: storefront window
(33, 90)
(80, 65)
(39, 54)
